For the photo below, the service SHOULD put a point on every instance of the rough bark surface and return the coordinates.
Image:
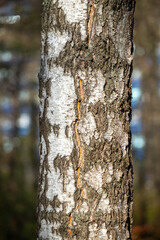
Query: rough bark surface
(85, 185)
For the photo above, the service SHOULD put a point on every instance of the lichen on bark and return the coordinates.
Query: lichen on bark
(85, 180)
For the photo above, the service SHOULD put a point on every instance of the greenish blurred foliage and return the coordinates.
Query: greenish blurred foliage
(24, 36)
(18, 202)
(18, 216)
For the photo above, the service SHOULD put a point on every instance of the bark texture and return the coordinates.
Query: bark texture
(85, 186)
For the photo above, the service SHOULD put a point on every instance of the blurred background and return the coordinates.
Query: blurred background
(19, 65)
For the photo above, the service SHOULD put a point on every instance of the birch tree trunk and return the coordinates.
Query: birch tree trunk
(85, 185)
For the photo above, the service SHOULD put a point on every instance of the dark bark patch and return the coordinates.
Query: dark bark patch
(56, 128)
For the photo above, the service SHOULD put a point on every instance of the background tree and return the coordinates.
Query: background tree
(147, 121)
(85, 181)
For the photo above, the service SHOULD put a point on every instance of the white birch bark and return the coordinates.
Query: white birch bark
(85, 186)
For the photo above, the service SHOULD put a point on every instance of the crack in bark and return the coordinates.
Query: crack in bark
(68, 228)
(80, 152)
(90, 21)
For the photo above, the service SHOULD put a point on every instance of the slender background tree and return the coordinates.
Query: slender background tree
(85, 185)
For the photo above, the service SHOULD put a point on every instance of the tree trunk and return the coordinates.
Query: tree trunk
(85, 185)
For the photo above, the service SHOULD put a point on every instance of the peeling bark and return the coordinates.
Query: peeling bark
(85, 177)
